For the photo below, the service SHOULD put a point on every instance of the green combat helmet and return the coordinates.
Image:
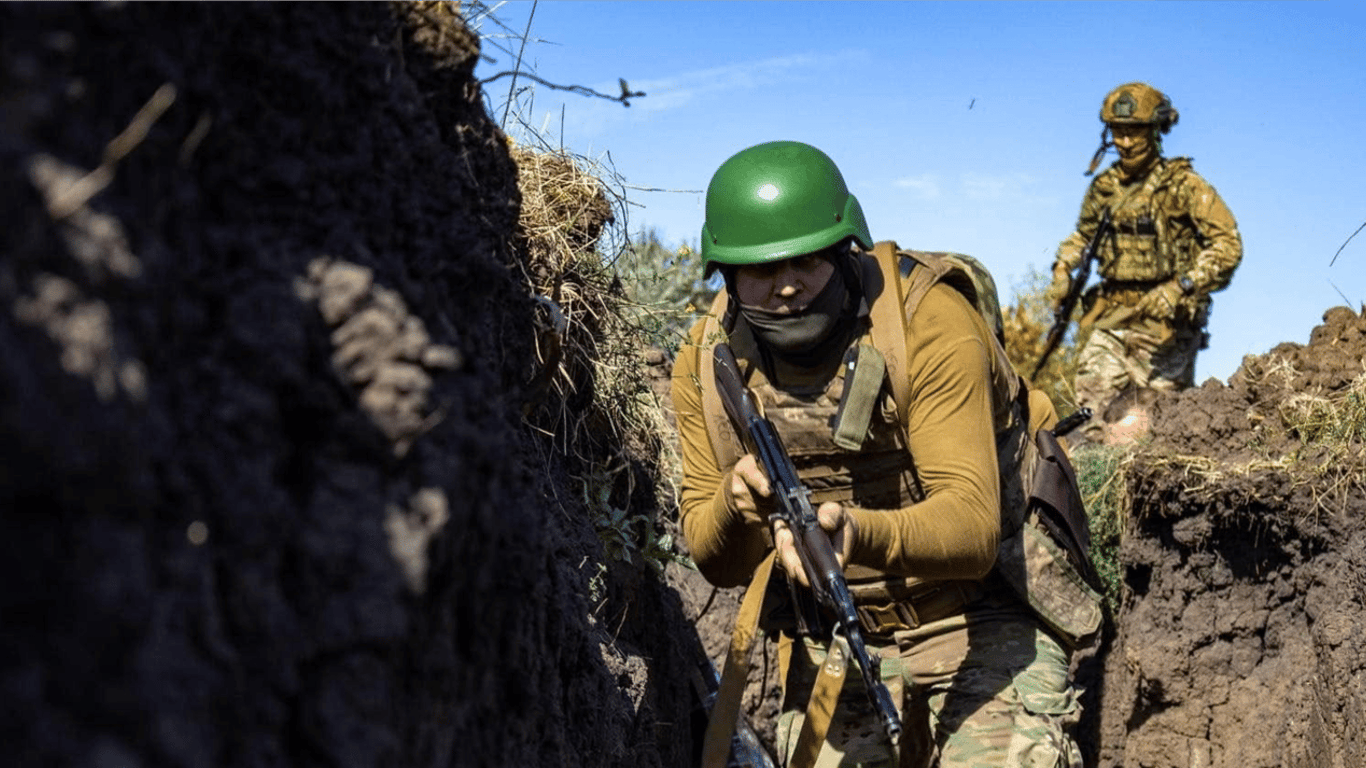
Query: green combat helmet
(778, 200)
(1134, 104)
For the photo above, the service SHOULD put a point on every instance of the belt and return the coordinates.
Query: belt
(884, 614)
(1115, 288)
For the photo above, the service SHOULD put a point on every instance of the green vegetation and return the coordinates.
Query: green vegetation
(1027, 320)
(1101, 477)
(625, 536)
(665, 286)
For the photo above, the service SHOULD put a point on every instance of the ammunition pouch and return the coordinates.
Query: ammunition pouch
(883, 607)
(887, 607)
(1140, 255)
(1047, 561)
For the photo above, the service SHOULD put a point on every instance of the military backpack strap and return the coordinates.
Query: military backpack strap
(909, 275)
(888, 317)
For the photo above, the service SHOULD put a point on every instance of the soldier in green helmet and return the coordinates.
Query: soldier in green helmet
(912, 500)
(1171, 243)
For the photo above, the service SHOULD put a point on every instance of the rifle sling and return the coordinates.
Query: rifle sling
(725, 713)
(820, 709)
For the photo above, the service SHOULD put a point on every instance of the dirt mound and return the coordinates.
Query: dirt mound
(1245, 567)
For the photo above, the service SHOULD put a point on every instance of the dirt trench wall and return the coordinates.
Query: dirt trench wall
(1240, 639)
(266, 494)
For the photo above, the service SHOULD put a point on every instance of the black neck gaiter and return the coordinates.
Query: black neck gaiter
(811, 335)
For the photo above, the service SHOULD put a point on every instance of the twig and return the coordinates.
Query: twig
(626, 93)
(80, 192)
(659, 189)
(518, 66)
(1339, 290)
(1345, 242)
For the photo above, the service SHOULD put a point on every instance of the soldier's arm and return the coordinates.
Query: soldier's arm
(1221, 246)
(954, 531)
(725, 543)
(1069, 251)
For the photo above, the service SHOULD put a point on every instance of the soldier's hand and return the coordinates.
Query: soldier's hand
(1057, 289)
(835, 522)
(1160, 302)
(751, 491)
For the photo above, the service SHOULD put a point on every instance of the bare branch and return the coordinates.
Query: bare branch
(76, 195)
(1344, 244)
(579, 89)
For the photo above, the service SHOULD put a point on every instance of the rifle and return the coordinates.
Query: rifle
(1069, 423)
(793, 506)
(1062, 314)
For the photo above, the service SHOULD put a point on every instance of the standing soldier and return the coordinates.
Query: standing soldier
(1170, 244)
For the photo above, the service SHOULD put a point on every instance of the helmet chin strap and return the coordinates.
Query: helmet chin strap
(1105, 144)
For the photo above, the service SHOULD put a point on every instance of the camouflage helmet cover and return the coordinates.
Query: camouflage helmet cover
(1138, 104)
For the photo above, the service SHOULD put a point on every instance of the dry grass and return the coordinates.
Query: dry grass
(1027, 320)
(592, 398)
(564, 212)
(1332, 475)
(1337, 419)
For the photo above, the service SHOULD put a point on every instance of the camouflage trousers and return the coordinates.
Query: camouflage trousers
(984, 689)
(1116, 359)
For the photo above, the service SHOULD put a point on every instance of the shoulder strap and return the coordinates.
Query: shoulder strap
(725, 445)
(888, 317)
(910, 275)
(914, 273)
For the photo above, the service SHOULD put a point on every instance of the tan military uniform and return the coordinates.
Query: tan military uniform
(1168, 224)
(979, 680)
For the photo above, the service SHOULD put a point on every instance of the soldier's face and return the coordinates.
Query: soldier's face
(1134, 143)
(783, 286)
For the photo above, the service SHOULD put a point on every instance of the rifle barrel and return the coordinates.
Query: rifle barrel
(1062, 315)
(814, 549)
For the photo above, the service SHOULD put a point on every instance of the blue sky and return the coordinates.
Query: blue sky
(967, 126)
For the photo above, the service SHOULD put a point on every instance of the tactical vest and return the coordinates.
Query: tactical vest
(1148, 244)
(858, 454)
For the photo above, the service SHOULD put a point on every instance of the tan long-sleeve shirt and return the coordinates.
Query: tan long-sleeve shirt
(952, 534)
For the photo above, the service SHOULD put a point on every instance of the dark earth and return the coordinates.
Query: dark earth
(274, 495)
